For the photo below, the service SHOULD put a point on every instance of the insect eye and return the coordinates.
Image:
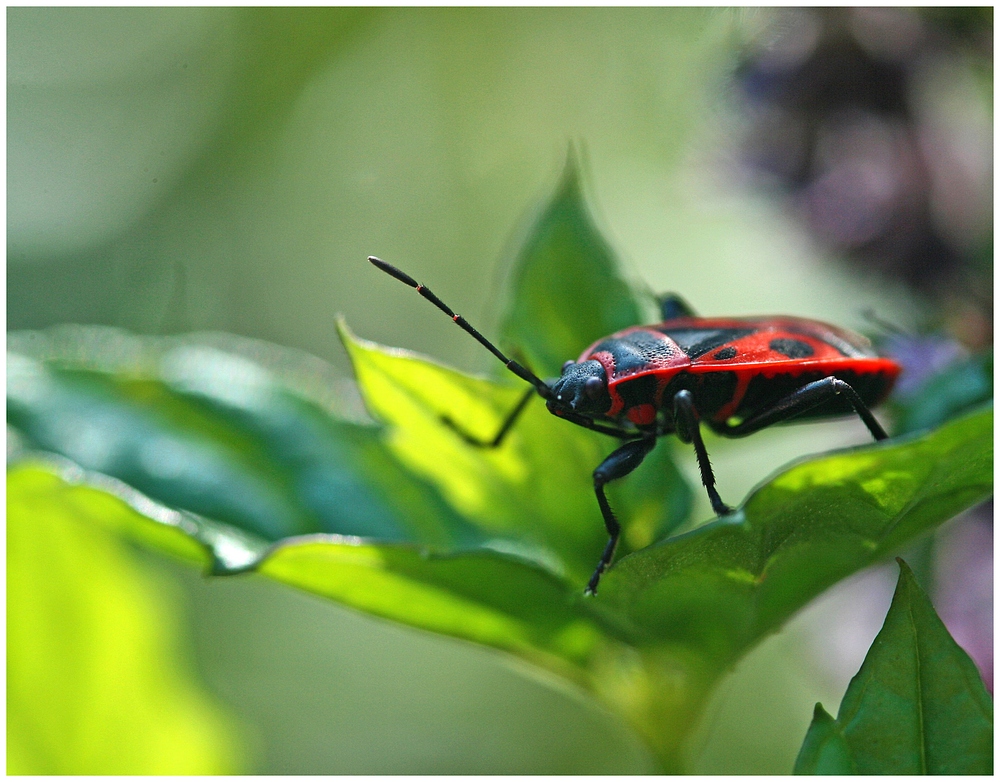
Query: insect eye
(593, 387)
(567, 364)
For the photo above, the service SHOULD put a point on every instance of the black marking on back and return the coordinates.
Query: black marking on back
(725, 354)
(697, 342)
(637, 391)
(792, 348)
(711, 390)
(635, 351)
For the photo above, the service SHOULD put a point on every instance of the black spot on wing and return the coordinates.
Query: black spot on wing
(792, 348)
(697, 342)
(725, 354)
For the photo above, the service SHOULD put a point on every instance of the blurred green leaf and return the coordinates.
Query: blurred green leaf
(407, 521)
(959, 387)
(670, 618)
(212, 433)
(566, 290)
(917, 706)
(95, 681)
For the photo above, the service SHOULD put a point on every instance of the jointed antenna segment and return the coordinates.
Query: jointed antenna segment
(462, 323)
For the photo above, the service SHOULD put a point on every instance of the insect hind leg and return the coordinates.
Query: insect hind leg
(809, 396)
(688, 428)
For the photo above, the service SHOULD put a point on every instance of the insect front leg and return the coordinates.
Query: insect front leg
(505, 427)
(619, 464)
(686, 422)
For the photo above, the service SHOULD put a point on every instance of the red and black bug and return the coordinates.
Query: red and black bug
(737, 375)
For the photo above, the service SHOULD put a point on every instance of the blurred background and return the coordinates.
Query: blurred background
(184, 169)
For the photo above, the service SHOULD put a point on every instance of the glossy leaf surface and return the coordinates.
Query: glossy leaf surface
(209, 432)
(917, 706)
(537, 488)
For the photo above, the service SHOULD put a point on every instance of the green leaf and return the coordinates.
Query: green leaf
(917, 706)
(536, 491)
(212, 433)
(566, 290)
(94, 681)
(825, 749)
(959, 387)
(514, 604)
(724, 585)
(497, 544)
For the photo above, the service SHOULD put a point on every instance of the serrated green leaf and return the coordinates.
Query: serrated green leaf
(94, 685)
(669, 619)
(796, 535)
(566, 290)
(917, 706)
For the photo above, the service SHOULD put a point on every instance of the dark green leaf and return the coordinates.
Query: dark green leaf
(213, 434)
(566, 291)
(824, 751)
(951, 392)
(918, 704)
(724, 585)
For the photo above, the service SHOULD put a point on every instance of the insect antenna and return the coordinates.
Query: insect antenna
(890, 328)
(462, 323)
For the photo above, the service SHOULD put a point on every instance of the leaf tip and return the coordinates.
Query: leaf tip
(820, 714)
(347, 337)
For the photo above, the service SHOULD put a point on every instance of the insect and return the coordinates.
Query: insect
(737, 375)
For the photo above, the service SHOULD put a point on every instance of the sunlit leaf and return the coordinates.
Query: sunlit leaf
(536, 490)
(670, 618)
(404, 519)
(917, 706)
(94, 681)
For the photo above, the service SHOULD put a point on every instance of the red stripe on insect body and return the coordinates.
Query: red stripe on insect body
(608, 362)
(641, 415)
(742, 384)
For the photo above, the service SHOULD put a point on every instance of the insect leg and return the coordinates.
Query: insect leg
(689, 431)
(495, 441)
(588, 423)
(619, 464)
(807, 397)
